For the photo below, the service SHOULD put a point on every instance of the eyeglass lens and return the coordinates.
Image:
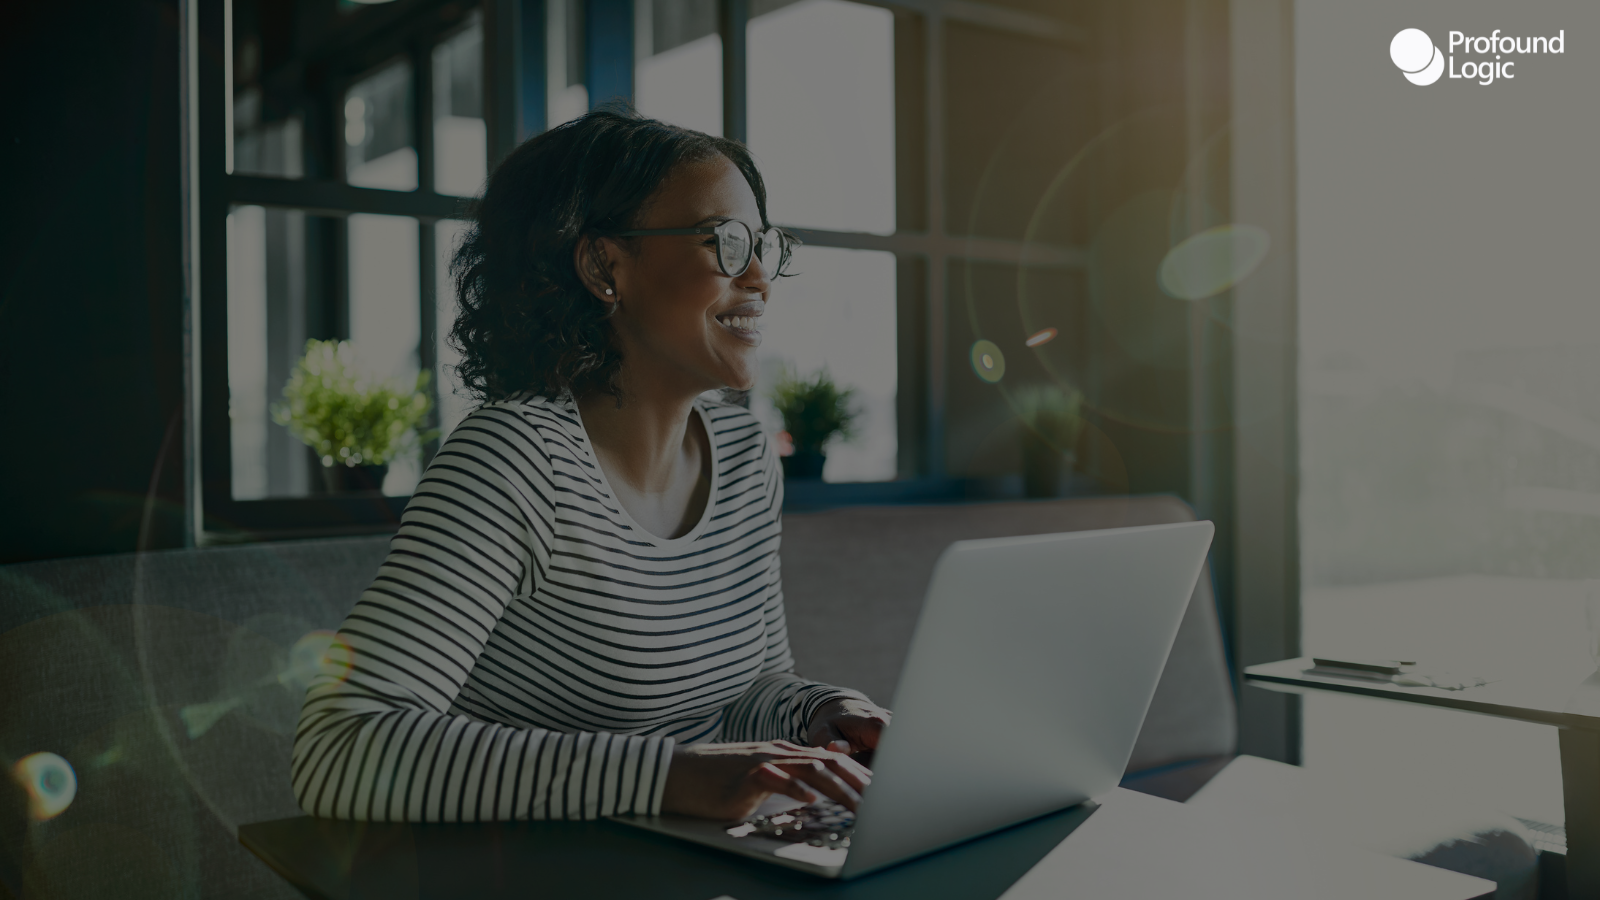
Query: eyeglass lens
(769, 244)
(734, 245)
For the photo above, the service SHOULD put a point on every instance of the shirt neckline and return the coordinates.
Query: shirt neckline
(622, 511)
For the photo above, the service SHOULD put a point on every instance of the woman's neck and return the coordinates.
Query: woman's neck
(644, 442)
(655, 454)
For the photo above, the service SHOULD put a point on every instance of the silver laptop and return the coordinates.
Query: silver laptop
(1030, 672)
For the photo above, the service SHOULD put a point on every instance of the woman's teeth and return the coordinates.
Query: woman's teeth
(742, 323)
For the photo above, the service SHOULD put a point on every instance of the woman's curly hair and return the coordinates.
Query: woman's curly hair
(526, 323)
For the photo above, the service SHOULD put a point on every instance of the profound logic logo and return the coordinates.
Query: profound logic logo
(1421, 62)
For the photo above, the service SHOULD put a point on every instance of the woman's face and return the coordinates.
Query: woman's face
(682, 323)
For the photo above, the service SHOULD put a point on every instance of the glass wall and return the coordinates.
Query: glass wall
(1449, 426)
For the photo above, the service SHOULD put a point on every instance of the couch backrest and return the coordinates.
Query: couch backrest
(854, 579)
(157, 677)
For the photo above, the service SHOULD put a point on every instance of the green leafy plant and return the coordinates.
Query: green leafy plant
(814, 409)
(1052, 414)
(347, 416)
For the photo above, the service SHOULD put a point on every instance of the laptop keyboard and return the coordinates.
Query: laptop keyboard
(822, 824)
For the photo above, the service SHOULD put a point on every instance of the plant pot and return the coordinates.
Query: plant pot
(353, 479)
(1043, 466)
(804, 464)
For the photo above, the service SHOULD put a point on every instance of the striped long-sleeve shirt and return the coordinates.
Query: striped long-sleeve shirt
(528, 651)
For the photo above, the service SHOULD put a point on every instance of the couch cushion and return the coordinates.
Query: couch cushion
(854, 580)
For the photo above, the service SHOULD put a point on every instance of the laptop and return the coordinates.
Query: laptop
(1030, 671)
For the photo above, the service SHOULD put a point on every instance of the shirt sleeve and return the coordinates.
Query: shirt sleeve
(779, 705)
(377, 739)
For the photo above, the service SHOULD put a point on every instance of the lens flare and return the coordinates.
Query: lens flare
(1208, 263)
(50, 782)
(988, 362)
(317, 653)
(1041, 337)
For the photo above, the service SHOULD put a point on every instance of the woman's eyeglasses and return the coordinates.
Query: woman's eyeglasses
(736, 246)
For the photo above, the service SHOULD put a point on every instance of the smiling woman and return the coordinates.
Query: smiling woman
(582, 613)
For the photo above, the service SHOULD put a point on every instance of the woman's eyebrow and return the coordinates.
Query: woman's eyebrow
(714, 220)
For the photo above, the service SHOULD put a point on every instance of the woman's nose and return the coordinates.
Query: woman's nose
(755, 278)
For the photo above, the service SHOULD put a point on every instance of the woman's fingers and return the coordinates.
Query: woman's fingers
(774, 780)
(817, 775)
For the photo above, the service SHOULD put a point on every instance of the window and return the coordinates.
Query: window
(349, 135)
(347, 139)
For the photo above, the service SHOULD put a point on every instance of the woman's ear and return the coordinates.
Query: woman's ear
(590, 258)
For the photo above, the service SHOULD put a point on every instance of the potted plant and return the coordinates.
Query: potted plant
(813, 410)
(1052, 421)
(355, 422)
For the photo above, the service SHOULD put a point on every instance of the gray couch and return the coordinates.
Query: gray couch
(157, 676)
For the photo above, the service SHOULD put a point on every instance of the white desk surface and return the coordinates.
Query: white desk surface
(1138, 847)
(1547, 699)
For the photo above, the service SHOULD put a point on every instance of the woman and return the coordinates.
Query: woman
(581, 614)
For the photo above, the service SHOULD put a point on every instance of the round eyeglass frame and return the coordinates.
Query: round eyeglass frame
(735, 240)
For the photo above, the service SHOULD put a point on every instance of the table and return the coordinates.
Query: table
(1130, 846)
(1573, 707)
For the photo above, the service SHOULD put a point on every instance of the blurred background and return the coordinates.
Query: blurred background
(1211, 248)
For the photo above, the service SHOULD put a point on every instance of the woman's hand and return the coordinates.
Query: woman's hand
(728, 781)
(847, 725)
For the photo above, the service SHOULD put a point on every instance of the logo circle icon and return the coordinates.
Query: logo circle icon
(1416, 57)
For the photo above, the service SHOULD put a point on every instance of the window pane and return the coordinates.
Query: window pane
(460, 144)
(567, 96)
(678, 77)
(386, 311)
(266, 336)
(822, 114)
(377, 130)
(265, 133)
(838, 313)
(453, 405)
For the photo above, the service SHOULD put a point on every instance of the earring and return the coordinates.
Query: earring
(608, 292)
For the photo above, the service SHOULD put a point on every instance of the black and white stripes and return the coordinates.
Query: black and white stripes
(528, 651)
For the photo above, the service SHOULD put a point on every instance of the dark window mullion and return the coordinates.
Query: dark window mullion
(336, 198)
(422, 114)
(733, 22)
(427, 353)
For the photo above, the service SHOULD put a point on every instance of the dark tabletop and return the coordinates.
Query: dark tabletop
(336, 859)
